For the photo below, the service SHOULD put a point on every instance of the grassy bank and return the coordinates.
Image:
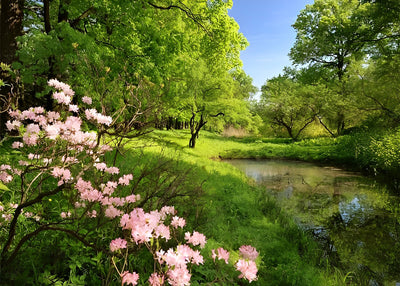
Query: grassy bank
(236, 212)
(216, 199)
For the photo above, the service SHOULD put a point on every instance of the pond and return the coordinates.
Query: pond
(355, 220)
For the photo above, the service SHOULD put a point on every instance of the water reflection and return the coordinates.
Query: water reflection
(356, 221)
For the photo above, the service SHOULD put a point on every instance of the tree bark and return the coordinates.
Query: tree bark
(10, 28)
(11, 17)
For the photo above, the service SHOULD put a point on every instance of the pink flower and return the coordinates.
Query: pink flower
(87, 100)
(72, 123)
(14, 206)
(110, 187)
(125, 179)
(112, 170)
(248, 268)
(73, 108)
(178, 222)
(5, 178)
(62, 98)
(100, 166)
(15, 113)
(248, 252)
(23, 163)
(7, 217)
(16, 145)
(131, 199)
(179, 276)
(129, 278)
(28, 114)
(87, 192)
(92, 214)
(61, 86)
(112, 212)
(166, 210)
(141, 224)
(28, 214)
(5, 167)
(196, 239)
(222, 254)
(197, 258)
(63, 174)
(117, 244)
(33, 156)
(105, 148)
(32, 128)
(65, 215)
(38, 110)
(156, 280)
(15, 124)
(53, 116)
(116, 201)
(163, 231)
(52, 131)
(30, 139)
(92, 114)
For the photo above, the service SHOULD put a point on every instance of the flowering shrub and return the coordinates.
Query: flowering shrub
(63, 161)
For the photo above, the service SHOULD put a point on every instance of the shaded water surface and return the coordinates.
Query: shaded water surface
(356, 221)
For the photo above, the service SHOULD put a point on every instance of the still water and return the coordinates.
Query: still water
(355, 220)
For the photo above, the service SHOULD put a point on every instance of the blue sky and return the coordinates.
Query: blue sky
(267, 26)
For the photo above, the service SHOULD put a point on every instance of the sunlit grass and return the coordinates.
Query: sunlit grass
(236, 212)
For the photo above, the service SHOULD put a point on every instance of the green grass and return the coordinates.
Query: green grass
(232, 211)
(235, 212)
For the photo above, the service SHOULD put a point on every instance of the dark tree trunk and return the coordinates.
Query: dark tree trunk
(195, 129)
(11, 17)
(10, 28)
(196, 126)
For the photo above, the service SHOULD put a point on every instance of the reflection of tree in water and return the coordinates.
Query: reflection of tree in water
(356, 223)
(355, 237)
(367, 245)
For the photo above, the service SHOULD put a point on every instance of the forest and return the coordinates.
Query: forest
(117, 117)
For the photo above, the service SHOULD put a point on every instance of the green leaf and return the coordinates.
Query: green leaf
(3, 187)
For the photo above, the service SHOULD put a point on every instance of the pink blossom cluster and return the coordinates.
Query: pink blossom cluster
(117, 244)
(93, 115)
(221, 254)
(65, 214)
(49, 125)
(246, 265)
(129, 278)
(145, 226)
(196, 238)
(156, 279)
(248, 252)
(63, 174)
(248, 269)
(177, 260)
(65, 88)
(5, 177)
(178, 222)
(87, 100)
(104, 197)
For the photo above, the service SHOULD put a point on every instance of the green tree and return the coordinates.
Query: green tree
(185, 51)
(288, 104)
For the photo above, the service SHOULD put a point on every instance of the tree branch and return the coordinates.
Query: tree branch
(184, 9)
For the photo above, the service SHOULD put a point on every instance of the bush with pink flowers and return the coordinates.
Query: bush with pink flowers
(62, 183)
